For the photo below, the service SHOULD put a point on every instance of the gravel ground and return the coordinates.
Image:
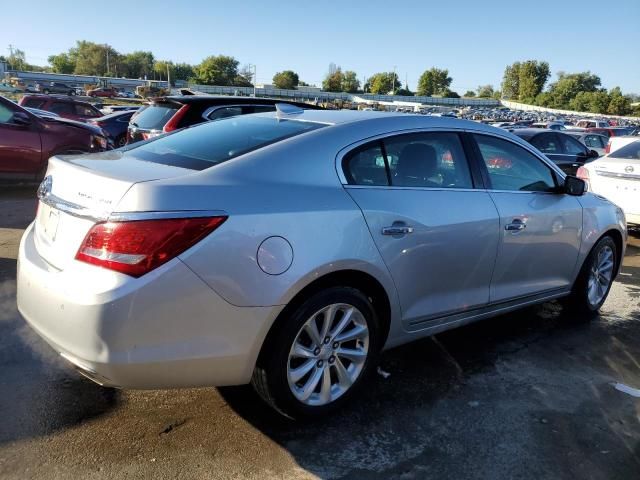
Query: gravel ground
(525, 395)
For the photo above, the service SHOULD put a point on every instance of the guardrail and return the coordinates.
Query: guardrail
(535, 108)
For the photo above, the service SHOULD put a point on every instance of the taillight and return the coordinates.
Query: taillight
(607, 149)
(173, 122)
(583, 174)
(137, 247)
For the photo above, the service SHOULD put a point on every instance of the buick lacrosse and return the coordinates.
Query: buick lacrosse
(288, 249)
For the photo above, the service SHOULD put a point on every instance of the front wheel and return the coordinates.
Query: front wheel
(594, 281)
(320, 355)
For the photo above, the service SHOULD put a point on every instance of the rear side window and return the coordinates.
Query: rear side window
(85, 111)
(155, 116)
(431, 160)
(572, 146)
(212, 143)
(34, 103)
(513, 168)
(630, 151)
(61, 108)
(225, 112)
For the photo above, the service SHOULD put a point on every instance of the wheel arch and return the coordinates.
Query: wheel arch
(358, 279)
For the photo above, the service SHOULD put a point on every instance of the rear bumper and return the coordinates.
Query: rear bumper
(166, 329)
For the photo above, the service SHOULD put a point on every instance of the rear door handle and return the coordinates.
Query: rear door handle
(516, 225)
(397, 230)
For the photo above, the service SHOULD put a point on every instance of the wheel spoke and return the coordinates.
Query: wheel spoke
(355, 356)
(311, 384)
(327, 316)
(297, 373)
(325, 389)
(343, 376)
(302, 352)
(357, 332)
(344, 321)
(312, 330)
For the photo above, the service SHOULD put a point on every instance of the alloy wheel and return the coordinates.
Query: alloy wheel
(600, 275)
(328, 354)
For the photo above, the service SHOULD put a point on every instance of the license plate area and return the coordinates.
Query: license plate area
(48, 222)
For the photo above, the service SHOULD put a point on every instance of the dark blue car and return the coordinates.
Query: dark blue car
(115, 126)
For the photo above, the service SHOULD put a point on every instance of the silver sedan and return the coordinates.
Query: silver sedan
(288, 249)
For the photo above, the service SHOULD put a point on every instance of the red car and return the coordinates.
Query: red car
(108, 92)
(64, 106)
(611, 131)
(28, 140)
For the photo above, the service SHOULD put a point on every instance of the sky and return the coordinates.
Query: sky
(474, 40)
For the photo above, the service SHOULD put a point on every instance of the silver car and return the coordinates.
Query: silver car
(288, 249)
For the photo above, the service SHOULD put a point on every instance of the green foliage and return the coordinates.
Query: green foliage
(333, 81)
(383, 83)
(618, 104)
(62, 63)
(288, 79)
(350, 82)
(450, 94)
(138, 64)
(469, 94)
(524, 81)
(183, 71)
(91, 58)
(434, 81)
(486, 91)
(219, 70)
(405, 92)
(568, 86)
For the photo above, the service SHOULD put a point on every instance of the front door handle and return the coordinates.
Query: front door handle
(397, 230)
(516, 225)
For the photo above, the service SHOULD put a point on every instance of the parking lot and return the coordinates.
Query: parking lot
(530, 394)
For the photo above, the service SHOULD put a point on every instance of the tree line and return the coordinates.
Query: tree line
(523, 81)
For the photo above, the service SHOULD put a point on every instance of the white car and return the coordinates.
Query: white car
(617, 178)
(591, 123)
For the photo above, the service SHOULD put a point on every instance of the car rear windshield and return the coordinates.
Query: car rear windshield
(211, 143)
(154, 117)
(628, 152)
(618, 132)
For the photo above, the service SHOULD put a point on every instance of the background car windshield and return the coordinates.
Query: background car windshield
(628, 152)
(155, 117)
(212, 143)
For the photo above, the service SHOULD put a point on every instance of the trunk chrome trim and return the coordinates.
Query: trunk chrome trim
(73, 209)
(134, 216)
(627, 176)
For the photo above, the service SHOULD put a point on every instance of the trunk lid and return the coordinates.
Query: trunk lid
(81, 190)
(618, 180)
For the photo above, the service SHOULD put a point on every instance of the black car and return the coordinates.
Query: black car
(56, 87)
(564, 150)
(165, 114)
(115, 125)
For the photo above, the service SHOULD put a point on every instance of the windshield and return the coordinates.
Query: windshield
(155, 117)
(209, 144)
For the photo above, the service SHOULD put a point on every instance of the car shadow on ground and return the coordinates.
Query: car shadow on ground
(490, 397)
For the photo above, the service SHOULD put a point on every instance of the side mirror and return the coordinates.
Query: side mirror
(574, 186)
(21, 118)
(593, 154)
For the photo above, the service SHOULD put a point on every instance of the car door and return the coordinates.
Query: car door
(540, 228)
(437, 234)
(20, 147)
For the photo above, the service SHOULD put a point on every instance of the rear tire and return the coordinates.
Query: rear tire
(594, 282)
(306, 377)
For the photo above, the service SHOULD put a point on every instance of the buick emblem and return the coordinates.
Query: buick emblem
(629, 169)
(44, 190)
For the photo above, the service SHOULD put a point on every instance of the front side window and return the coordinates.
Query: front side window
(85, 111)
(33, 103)
(572, 146)
(513, 168)
(62, 108)
(547, 143)
(592, 141)
(5, 114)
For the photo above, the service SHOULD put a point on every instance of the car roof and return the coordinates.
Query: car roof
(527, 133)
(64, 98)
(222, 100)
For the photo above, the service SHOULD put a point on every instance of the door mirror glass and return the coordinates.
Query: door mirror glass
(574, 186)
(21, 118)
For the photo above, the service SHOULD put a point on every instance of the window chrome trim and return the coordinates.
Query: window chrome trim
(210, 110)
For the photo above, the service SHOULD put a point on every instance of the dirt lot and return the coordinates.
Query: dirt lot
(526, 395)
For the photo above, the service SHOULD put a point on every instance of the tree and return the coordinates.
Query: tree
(62, 63)
(485, 91)
(383, 83)
(618, 104)
(350, 82)
(287, 79)
(523, 81)
(140, 64)
(434, 81)
(334, 79)
(92, 58)
(404, 92)
(450, 94)
(469, 94)
(218, 70)
(562, 92)
(183, 71)
(17, 60)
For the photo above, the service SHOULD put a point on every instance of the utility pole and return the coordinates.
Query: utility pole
(255, 79)
(107, 48)
(10, 54)
(168, 78)
(393, 90)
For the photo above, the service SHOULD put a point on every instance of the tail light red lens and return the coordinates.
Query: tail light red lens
(137, 247)
(174, 121)
(607, 149)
